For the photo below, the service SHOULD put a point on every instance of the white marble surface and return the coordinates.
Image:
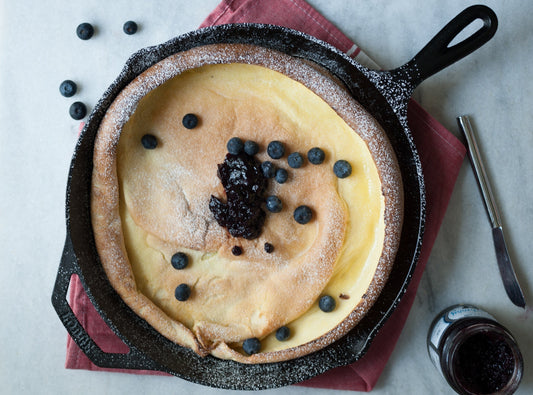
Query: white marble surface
(39, 49)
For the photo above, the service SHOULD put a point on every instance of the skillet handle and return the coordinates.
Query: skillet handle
(134, 359)
(437, 55)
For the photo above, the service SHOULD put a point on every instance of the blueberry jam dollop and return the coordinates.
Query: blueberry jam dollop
(484, 363)
(245, 184)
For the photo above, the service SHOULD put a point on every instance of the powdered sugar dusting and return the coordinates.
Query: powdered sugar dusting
(321, 83)
(147, 58)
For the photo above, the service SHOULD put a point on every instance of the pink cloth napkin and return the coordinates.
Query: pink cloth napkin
(441, 156)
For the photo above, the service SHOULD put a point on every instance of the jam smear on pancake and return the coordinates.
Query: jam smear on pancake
(244, 183)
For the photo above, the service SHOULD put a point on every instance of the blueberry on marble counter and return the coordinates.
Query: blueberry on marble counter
(130, 28)
(77, 110)
(85, 31)
(68, 88)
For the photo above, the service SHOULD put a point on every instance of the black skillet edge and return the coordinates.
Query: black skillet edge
(355, 344)
(135, 331)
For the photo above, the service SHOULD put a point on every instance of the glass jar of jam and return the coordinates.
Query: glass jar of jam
(474, 353)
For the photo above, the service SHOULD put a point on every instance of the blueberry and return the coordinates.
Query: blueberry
(235, 145)
(281, 175)
(303, 214)
(182, 292)
(251, 345)
(342, 169)
(68, 88)
(149, 141)
(283, 333)
(130, 27)
(275, 149)
(269, 248)
(296, 160)
(236, 250)
(326, 303)
(85, 31)
(316, 156)
(77, 110)
(273, 204)
(190, 121)
(179, 260)
(269, 170)
(251, 147)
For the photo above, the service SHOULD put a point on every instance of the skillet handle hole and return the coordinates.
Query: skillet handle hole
(465, 33)
(473, 28)
(88, 331)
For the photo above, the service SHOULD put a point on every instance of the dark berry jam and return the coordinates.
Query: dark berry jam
(475, 353)
(244, 183)
(484, 363)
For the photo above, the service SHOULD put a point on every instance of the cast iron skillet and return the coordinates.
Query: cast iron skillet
(385, 94)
